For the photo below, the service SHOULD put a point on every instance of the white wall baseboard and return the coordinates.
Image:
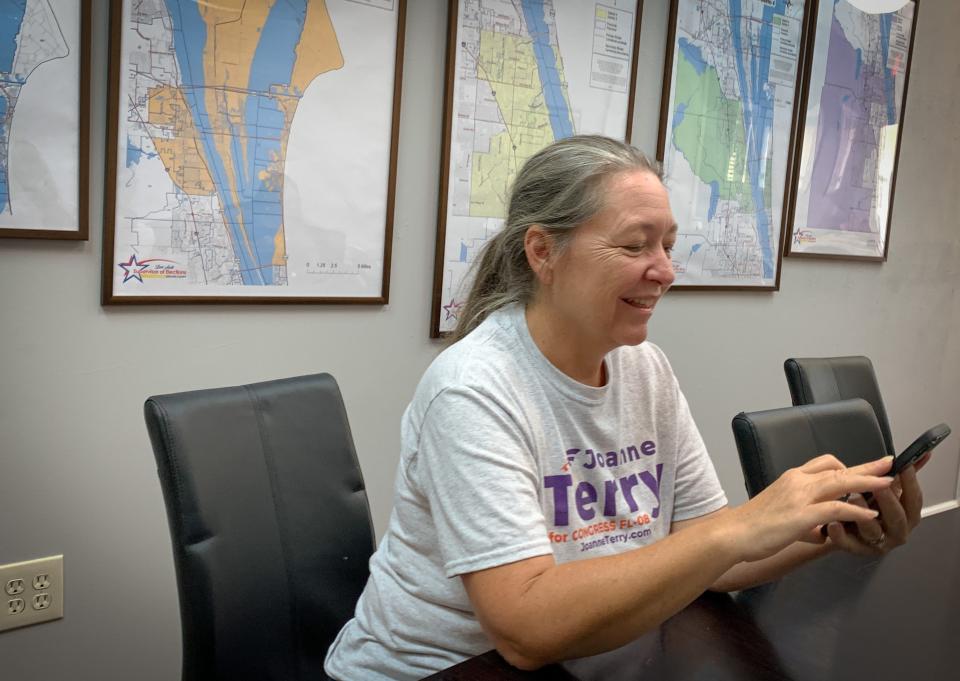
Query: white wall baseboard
(939, 508)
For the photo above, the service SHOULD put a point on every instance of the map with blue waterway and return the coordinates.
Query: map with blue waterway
(30, 36)
(733, 82)
(212, 93)
(528, 72)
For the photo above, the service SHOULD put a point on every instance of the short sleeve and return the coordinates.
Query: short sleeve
(477, 472)
(697, 490)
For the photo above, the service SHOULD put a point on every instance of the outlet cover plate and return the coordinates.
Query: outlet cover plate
(47, 572)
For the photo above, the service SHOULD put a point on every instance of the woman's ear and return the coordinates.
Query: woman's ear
(539, 246)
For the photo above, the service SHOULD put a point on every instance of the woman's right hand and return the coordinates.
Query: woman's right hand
(799, 501)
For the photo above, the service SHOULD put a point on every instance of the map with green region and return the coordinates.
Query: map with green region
(726, 144)
(708, 131)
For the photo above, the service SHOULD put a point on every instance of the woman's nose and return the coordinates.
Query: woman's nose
(662, 270)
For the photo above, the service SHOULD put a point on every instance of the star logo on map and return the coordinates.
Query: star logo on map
(132, 269)
(452, 309)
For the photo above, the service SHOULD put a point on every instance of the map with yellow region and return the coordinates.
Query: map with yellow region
(211, 94)
(527, 73)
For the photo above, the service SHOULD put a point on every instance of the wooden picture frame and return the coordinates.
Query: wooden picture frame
(602, 62)
(226, 211)
(847, 215)
(730, 200)
(45, 146)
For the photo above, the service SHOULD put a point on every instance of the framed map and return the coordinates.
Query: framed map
(728, 114)
(520, 74)
(856, 89)
(251, 151)
(44, 118)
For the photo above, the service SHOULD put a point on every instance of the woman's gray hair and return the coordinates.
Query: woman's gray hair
(558, 188)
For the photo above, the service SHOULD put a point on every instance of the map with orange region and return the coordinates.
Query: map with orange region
(212, 93)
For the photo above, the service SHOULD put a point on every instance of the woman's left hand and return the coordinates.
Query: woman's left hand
(899, 507)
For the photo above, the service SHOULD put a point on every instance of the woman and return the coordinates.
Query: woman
(554, 498)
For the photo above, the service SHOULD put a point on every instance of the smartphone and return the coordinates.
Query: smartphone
(910, 455)
(919, 447)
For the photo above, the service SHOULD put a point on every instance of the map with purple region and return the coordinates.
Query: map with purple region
(852, 126)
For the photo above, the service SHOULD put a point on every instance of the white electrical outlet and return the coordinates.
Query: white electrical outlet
(33, 592)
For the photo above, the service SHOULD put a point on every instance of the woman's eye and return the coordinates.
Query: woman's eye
(633, 248)
(668, 248)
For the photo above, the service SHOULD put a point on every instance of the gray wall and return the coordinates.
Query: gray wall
(77, 473)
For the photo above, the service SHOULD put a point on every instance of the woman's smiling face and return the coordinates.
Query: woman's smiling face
(603, 286)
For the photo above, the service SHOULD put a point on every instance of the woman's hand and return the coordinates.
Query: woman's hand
(899, 506)
(802, 499)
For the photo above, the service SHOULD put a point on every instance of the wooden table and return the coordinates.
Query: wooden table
(841, 617)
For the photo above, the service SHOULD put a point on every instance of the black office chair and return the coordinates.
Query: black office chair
(816, 380)
(269, 522)
(773, 441)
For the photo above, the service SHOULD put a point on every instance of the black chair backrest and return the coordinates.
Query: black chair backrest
(816, 380)
(773, 441)
(269, 522)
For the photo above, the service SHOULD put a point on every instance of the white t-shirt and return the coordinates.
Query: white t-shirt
(504, 457)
